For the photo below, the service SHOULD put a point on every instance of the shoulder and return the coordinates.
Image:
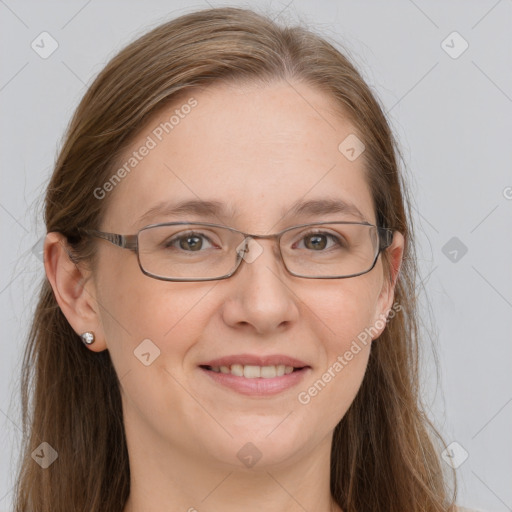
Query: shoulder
(465, 509)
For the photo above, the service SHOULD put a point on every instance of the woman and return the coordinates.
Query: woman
(228, 320)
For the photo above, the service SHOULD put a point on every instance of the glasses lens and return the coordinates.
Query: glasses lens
(330, 250)
(188, 251)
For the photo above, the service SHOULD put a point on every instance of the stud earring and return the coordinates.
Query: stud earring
(87, 337)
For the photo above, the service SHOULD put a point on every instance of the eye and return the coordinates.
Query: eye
(319, 241)
(190, 242)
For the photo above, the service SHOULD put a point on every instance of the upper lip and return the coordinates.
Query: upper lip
(256, 360)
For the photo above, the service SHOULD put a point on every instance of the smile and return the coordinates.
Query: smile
(257, 381)
(252, 371)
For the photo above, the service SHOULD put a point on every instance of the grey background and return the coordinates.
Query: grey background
(452, 116)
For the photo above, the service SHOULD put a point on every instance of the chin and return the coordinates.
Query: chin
(257, 449)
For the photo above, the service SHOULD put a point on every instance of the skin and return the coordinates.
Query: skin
(258, 149)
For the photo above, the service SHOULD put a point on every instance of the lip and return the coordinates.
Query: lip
(257, 387)
(256, 360)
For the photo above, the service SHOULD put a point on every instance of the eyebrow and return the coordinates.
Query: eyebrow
(212, 208)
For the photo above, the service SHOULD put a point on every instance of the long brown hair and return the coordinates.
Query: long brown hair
(385, 449)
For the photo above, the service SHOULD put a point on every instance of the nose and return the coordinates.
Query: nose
(260, 296)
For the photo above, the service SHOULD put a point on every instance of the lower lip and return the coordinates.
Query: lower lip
(258, 386)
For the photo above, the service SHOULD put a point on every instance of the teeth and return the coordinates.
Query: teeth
(252, 372)
(237, 369)
(267, 372)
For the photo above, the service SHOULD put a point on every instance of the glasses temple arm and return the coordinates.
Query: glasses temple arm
(385, 238)
(124, 241)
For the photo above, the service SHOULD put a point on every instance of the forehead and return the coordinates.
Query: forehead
(258, 150)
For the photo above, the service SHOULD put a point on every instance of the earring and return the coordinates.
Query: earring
(87, 337)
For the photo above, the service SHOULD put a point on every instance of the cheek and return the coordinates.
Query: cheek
(346, 314)
(173, 316)
(346, 308)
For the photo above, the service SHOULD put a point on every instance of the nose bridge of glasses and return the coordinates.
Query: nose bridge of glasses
(253, 246)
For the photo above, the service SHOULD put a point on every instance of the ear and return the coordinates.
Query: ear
(73, 291)
(385, 300)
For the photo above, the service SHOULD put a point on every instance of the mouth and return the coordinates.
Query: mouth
(253, 371)
(253, 380)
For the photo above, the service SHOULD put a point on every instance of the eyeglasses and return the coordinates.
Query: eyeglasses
(184, 251)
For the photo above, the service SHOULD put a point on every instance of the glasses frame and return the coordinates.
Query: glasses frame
(131, 242)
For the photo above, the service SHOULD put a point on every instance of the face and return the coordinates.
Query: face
(257, 150)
